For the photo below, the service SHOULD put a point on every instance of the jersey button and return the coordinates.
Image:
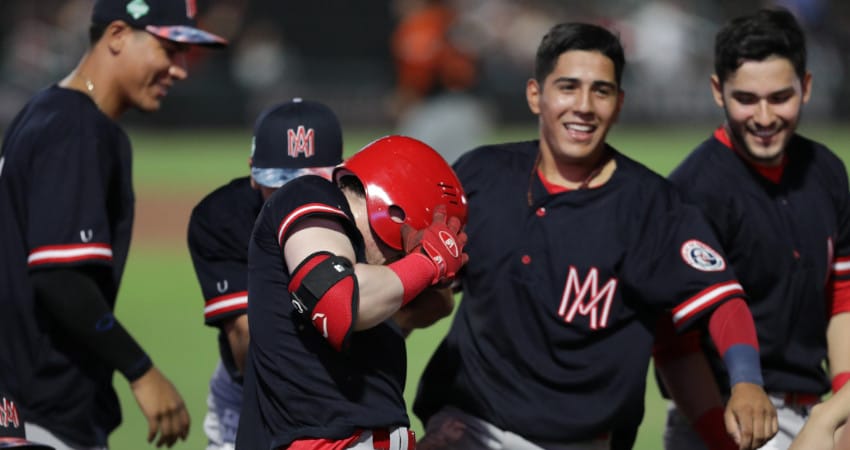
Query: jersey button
(541, 212)
(526, 259)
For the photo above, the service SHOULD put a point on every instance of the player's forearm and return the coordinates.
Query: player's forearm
(73, 300)
(838, 348)
(734, 334)
(238, 336)
(381, 293)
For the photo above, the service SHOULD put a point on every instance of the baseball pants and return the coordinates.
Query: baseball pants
(223, 406)
(679, 435)
(453, 429)
(41, 435)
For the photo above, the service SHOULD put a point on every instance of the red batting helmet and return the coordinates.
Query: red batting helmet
(404, 178)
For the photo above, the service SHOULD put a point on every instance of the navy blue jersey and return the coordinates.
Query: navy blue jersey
(296, 384)
(553, 335)
(219, 230)
(66, 199)
(784, 241)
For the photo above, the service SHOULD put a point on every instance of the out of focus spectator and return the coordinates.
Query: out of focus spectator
(435, 78)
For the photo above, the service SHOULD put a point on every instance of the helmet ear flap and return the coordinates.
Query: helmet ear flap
(404, 180)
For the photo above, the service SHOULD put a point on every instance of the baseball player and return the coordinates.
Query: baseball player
(575, 251)
(780, 206)
(291, 139)
(329, 264)
(66, 211)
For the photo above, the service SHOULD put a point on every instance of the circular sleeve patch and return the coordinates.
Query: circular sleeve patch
(702, 257)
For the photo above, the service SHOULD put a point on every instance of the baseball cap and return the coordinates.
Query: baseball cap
(292, 139)
(173, 20)
(12, 433)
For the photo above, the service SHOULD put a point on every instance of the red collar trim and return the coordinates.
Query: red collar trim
(774, 174)
(551, 188)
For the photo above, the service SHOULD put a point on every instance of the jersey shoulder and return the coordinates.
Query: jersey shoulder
(226, 216)
(495, 163)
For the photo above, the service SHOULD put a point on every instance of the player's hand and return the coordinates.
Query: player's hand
(442, 241)
(425, 309)
(750, 416)
(162, 406)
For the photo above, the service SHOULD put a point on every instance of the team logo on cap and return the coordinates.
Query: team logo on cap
(138, 8)
(702, 257)
(300, 141)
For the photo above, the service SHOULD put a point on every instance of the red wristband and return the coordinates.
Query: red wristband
(712, 430)
(840, 379)
(416, 272)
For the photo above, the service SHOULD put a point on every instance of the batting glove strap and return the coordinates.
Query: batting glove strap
(416, 272)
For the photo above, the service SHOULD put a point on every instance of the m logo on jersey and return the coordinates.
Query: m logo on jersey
(702, 257)
(587, 299)
(8, 414)
(301, 141)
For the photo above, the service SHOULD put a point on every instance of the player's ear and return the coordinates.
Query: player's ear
(116, 35)
(717, 90)
(532, 95)
(806, 86)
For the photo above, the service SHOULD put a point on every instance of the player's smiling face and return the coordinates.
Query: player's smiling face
(577, 105)
(155, 64)
(762, 101)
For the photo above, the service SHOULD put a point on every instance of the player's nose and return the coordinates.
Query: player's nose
(178, 68)
(763, 114)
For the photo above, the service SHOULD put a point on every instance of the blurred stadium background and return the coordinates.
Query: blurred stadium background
(342, 53)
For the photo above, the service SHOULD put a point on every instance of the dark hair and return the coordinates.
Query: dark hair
(755, 37)
(96, 31)
(577, 36)
(353, 184)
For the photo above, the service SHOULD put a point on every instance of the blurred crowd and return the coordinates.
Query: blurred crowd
(408, 63)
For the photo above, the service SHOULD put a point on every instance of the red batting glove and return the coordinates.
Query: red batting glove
(441, 241)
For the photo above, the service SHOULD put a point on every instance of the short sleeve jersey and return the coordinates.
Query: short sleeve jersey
(786, 242)
(219, 230)
(66, 200)
(553, 335)
(296, 385)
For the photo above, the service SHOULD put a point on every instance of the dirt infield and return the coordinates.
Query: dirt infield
(162, 217)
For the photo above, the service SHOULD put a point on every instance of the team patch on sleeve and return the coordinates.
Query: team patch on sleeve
(702, 257)
(58, 254)
(225, 304)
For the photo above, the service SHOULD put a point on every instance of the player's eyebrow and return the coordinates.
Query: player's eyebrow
(594, 83)
(786, 91)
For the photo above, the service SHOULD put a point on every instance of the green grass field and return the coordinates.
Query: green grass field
(160, 302)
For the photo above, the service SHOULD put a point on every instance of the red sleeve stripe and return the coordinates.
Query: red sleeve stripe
(311, 208)
(225, 303)
(838, 296)
(841, 266)
(705, 299)
(69, 253)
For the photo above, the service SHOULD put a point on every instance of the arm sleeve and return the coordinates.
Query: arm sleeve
(73, 300)
(69, 195)
(677, 264)
(220, 258)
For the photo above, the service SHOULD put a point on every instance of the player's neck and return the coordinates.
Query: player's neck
(88, 78)
(572, 175)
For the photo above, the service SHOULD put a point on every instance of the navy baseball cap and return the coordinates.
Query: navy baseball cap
(173, 20)
(12, 433)
(292, 139)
